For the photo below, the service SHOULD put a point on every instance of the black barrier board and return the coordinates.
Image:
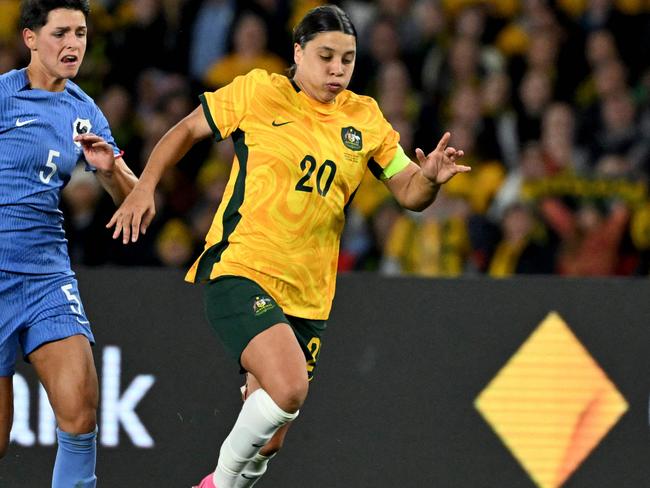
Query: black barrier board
(394, 400)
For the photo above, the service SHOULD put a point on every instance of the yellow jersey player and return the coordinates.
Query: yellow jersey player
(303, 143)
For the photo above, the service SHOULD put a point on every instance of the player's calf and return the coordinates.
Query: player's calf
(75, 460)
(275, 444)
(258, 421)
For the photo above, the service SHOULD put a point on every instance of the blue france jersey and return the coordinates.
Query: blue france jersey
(37, 156)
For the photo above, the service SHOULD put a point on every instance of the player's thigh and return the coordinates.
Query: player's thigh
(57, 342)
(309, 336)
(6, 411)
(67, 371)
(238, 309)
(275, 358)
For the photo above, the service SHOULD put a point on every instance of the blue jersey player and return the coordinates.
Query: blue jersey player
(47, 126)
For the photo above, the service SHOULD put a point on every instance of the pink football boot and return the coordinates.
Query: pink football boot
(206, 482)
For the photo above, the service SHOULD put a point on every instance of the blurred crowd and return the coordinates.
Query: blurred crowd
(550, 100)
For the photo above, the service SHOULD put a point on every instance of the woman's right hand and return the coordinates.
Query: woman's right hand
(134, 215)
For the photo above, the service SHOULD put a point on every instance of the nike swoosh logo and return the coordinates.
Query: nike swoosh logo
(244, 475)
(258, 445)
(20, 123)
(275, 124)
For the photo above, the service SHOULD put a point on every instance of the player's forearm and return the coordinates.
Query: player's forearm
(167, 153)
(119, 182)
(419, 193)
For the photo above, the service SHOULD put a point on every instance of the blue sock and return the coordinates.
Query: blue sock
(75, 460)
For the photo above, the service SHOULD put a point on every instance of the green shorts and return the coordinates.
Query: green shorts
(238, 309)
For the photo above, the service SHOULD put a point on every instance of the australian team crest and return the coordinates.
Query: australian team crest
(352, 138)
(262, 304)
(80, 126)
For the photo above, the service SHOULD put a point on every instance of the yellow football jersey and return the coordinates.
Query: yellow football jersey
(297, 165)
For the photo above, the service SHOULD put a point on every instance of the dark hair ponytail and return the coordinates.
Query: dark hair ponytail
(326, 18)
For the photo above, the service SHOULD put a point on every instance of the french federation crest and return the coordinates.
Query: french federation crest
(352, 138)
(80, 126)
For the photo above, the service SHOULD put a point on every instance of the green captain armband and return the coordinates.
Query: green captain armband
(397, 164)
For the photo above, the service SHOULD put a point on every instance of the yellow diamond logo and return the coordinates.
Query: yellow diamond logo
(551, 404)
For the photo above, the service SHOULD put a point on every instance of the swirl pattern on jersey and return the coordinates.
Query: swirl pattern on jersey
(297, 164)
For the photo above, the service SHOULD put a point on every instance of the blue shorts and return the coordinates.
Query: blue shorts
(35, 310)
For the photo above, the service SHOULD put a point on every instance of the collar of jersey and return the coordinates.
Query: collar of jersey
(25, 79)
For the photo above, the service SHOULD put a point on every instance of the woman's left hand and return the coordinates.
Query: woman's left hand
(439, 166)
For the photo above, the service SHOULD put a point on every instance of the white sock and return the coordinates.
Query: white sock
(253, 471)
(259, 419)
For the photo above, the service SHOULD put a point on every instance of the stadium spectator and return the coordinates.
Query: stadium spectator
(589, 237)
(142, 23)
(532, 167)
(558, 141)
(535, 94)
(174, 244)
(249, 51)
(207, 24)
(620, 131)
(524, 246)
(433, 243)
(499, 119)
(396, 98)
(384, 47)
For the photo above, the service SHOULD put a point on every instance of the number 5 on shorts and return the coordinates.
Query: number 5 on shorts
(67, 289)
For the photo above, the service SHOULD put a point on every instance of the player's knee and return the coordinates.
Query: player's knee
(292, 394)
(78, 425)
(78, 420)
